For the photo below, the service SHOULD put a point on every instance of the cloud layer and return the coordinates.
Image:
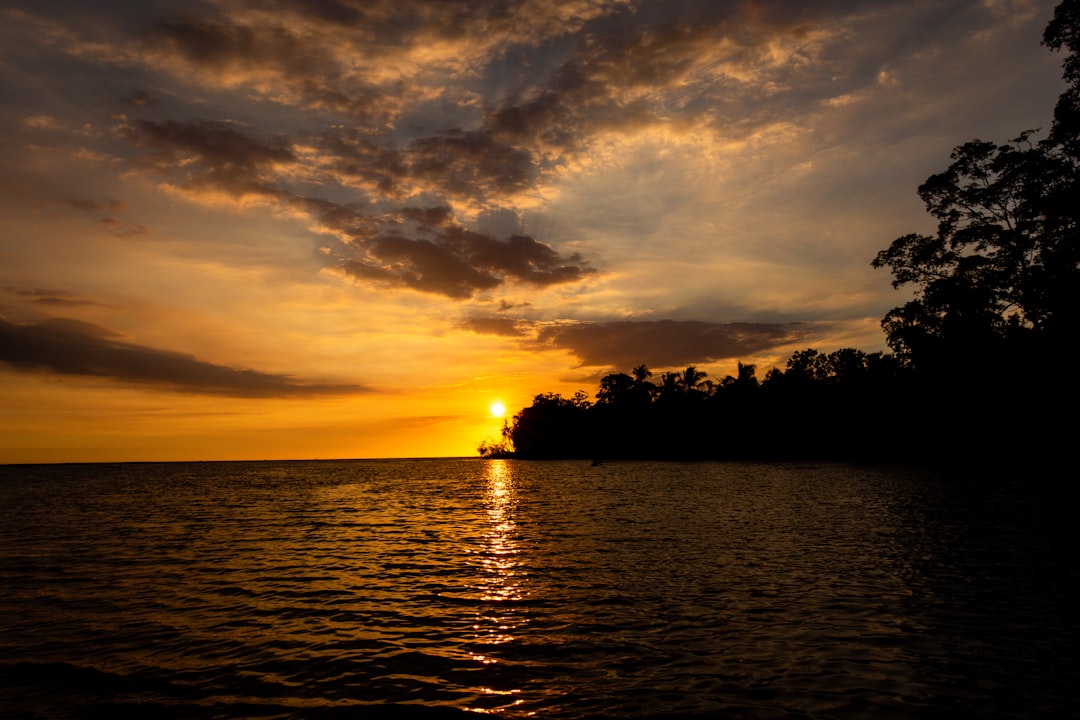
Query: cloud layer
(449, 199)
(666, 343)
(72, 347)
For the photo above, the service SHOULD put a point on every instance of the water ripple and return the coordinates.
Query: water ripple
(458, 587)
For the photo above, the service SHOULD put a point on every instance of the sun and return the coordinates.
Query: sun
(497, 409)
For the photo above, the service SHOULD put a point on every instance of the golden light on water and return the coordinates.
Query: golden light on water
(501, 576)
(502, 581)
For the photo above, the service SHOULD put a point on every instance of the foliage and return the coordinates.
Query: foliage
(688, 417)
(997, 292)
(1063, 32)
(1001, 276)
(1003, 263)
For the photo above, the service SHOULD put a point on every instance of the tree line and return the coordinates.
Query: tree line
(794, 412)
(981, 356)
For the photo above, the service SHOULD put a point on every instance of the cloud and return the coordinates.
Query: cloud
(212, 156)
(662, 64)
(44, 296)
(506, 327)
(664, 343)
(421, 265)
(357, 159)
(427, 249)
(72, 347)
(41, 122)
(96, 206)
(139, 99)
(108, 210)
(458, 262)
(368, 111)
(315, 63)
(441, 256)
(469, 165)
(457, 104)
(473, 100)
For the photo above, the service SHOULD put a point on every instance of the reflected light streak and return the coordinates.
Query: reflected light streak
(502, 581)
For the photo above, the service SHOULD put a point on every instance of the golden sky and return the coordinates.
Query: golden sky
(233, 229)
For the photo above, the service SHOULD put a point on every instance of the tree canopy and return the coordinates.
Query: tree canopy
(1001, 276)
(996, 295)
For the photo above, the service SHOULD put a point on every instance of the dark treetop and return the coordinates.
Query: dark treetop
(980, 368)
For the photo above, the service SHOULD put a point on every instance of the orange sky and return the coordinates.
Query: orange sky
(245, 230)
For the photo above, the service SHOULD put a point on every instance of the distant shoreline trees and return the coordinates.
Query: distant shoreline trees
(980, 367)
(815, 407)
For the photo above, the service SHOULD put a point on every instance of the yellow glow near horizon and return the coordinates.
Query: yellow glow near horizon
(497, 409)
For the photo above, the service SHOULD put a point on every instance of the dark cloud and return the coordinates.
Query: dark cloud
(506, 327)
(650, 63)
(440, 256)
(472, 165)
(96, 206)
(412, 23)
(552, 122)
(72, 347)
(107, 209)
(665, 343)
(273, 59)
(475, 103)
(139, 99)
(359, 159)
(523, 258)
(43, 296)
(439, 216)
(458, 263)
(469, 165)
(571, 68)
(342, 13)
(426, 249)
(211, 155)
(352, 223)
(421, 265)
(222, 45)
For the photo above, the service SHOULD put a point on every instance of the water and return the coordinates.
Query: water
(449, 588)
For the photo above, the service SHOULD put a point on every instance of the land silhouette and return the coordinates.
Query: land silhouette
(981, 367)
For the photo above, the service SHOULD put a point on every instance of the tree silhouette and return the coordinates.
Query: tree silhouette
(1002, 273)
(839, 392)
(615, 388)
(1063, 31)
(997, 293)
(691, 378)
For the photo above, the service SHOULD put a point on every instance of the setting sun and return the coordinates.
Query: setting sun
(497, 409)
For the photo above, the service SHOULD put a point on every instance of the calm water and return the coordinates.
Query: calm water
(443, 588)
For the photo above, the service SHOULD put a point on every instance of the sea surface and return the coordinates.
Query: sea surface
(457, 588)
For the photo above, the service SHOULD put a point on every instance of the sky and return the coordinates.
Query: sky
(233, 229)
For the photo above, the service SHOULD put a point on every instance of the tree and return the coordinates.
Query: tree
(805, 366)
(553, 426)
(997, 288)
(1063, 31)
(614, 388)
(691, 378)
(670, 386)
(641, 375)
(1002, 271)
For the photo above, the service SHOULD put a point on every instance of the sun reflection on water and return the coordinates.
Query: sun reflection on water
(501, 585)
(502, 579)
